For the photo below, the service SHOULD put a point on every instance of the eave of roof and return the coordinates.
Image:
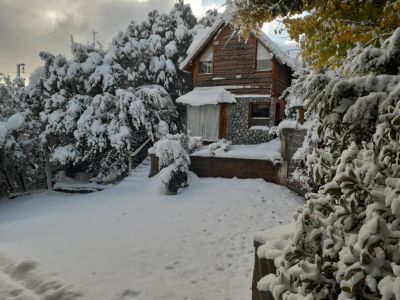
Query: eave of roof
(202, 44)
(207, 96)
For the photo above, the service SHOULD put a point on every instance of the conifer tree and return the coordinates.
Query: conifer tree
(347, 238)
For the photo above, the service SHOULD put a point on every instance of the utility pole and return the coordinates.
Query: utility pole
(94, 38)
(20, 69)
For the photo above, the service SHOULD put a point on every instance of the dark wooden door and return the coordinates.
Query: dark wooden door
(222, 120)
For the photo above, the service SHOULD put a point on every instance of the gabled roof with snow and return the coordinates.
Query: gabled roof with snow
(279, 54)
(204, 36)
(207, 95)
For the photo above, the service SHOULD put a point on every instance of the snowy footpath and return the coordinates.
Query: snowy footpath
(132, 242)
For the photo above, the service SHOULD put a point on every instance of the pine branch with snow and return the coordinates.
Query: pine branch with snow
(347, 240)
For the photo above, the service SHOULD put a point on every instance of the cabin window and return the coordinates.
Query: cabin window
(259, 114)
(203, 121)
(264, 58)
(206, 67)
(206, 61)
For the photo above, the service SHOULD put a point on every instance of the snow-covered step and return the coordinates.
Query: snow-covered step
(142, 170)
(80, 188)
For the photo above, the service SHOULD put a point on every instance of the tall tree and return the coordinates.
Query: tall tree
(20, 150)
(89, 113)
(326, 30)
(151, 51)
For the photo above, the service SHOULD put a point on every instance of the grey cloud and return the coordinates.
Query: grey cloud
(30, 26)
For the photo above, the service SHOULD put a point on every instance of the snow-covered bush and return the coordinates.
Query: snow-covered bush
(346, 244)
(219, 146)
(173, 162)
(194, 143)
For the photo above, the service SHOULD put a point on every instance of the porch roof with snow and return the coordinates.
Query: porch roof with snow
(205, 36)
(207, 95)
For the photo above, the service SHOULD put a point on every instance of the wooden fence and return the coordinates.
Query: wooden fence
(262, 267)
(14, 183)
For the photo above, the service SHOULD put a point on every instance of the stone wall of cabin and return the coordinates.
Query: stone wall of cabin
(238, 126)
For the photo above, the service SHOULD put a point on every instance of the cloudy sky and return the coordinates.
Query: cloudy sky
(30, 26)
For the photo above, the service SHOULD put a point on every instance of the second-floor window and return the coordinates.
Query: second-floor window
(206, 61)
(264, 58)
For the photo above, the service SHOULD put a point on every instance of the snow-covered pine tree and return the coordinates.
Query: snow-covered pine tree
(346, 244)
(12, 118)
(19, 147)
(209, 18)
(90, 107)
(88, 112)
(150, 52)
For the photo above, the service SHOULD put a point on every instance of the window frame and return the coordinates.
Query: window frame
(251, 112)
(257, 60)
(210, 63)
(263, 70)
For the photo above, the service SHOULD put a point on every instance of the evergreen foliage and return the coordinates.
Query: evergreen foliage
(100, 105)
(346, 244)
(18, 129)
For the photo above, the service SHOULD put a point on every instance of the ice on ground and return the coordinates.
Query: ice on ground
(133, 242)
(270, 151)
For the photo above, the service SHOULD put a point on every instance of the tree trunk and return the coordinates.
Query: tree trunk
(47, 172)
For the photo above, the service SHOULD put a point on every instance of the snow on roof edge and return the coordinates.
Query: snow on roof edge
(206, 96)
(277, 51)
(226, 17)
(223, 18)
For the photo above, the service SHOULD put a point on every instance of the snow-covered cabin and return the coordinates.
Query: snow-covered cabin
(237, 84)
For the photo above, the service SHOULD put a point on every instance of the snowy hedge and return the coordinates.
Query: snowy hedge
(346, 244)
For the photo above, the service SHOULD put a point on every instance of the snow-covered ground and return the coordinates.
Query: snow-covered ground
(133, 242)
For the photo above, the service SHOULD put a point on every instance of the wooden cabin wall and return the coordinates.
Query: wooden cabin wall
(282, 77)
(234, 64)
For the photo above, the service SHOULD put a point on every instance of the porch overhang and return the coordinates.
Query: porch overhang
(207, 96)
